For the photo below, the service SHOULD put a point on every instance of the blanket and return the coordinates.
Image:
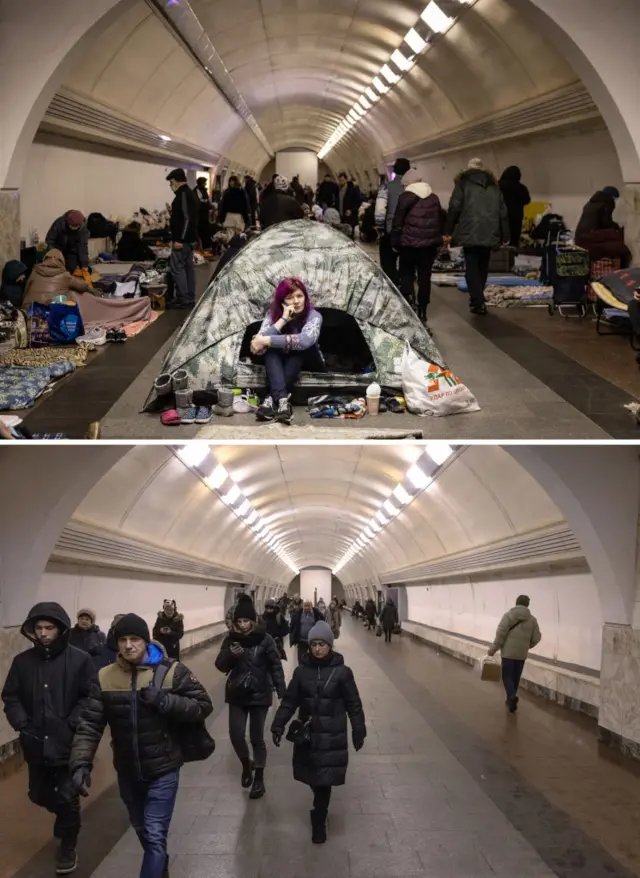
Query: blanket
(504, 280)
(111, 313)
(508, 297)
(20, 386)
(46, 356)
(136, 328)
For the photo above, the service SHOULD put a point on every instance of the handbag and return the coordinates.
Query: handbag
(194, 740)
(241, 685)
(379, 631)
(299, 731)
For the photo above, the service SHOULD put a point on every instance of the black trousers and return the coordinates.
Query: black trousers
(257, 716)
(321, 799)
(51, 788)
(417, 260)
(477, 261)
(388, 632)
(388, 258)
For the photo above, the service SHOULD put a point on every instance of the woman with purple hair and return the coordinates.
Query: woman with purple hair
(288, 338)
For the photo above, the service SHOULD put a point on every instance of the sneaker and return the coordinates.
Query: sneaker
(284, 414)
(266, 411)
(67, 860)
(96, 336)
(203, 414)
(188, 416)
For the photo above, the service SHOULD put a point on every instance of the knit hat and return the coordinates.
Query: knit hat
(244, 609)
(177, 174)
(281, 183)
(401, 167)
(75, 218)
(412, 176)
(321, 631)
(523, 600)
(476, 165)
(87, 612)
(131, 626)
(612, 191)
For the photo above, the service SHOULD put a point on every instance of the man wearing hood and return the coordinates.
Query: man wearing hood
(517, 633)
(395, 188)
(516, 197)
(598, 232)
(86, 635)
(44, 696)
(145, 721)
(416, 234)
(14, 275)
(279, 205)
(478, 222)
(70, 235)
(169, 629)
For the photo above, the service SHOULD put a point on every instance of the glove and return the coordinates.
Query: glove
(81, 780)
(153, 697)
(277, 738)
(358, 742)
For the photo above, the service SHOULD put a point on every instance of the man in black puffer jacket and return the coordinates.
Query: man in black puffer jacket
(169, 629)
(86, 635)
(276, 625)
(44, 695)
(144, 722)
(416, 233)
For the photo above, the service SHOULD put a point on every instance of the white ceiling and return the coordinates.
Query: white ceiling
(317, 500)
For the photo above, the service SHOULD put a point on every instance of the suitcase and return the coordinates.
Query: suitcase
(567, 270)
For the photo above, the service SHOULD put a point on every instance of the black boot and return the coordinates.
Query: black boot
(67, 858)
(165, 874)
(247, 773)
(318, 826)
(258, 789)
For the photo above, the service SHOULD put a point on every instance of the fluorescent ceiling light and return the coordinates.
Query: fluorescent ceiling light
(165, 137)
(373, 524)
(402, 496)
(369, 532)
(364, 102)
(217, 478)
(400, 61)
(390, 508)
(436, 19)
(253, 517)
(244, 509)
(194, 453)
(418, 478)
(383, 518)
(359, 109)
(415, 41)
(439, 452)
(379, 84)
(258, 526)
(352, 113)
(232, 495)
(389, 75)
(370, 93)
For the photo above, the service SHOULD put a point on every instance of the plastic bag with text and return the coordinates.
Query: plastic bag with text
(431, 390)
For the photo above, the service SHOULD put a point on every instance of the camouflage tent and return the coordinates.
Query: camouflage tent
(339, 275)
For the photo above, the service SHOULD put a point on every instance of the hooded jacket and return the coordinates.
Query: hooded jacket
(516, 197)
(90, 640)
(62, 237)
(275, 623)
(171, 641)
(517, 633)
(477, 215)
(597, 215)
(47, 690)
(278, 207)
(260, 660)
(144, 737)
(49, 279)
(349, 199)
(389, 616)
(10, 289)
(370, 610)
(419, 218)
(325, 691)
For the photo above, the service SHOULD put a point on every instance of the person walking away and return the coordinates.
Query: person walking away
(252, 196)
(70, 235)
(516, 197)
(169, 629)
(88, 637)
(395, 188)
(12, 288)
(44, 695)
(184, 235)
(302, 621)
(324, 691)
(349, 202)
(370, 613)
(205, 213)
(250, 659)
(517, 633)
(298, 190)
(477, 221)
(279, 206)
(416, 234)
(598, 232)
(328, 193)
(389, 619)
(234, 213)
(276, 624)
(147, 723)
(334, 618)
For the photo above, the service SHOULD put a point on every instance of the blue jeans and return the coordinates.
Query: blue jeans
(150, 805)
(283, 369)
(184, 274)
(511, 673)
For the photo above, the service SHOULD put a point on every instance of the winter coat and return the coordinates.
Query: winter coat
(370, 610)
(49, 279)
(327, 692)
(234, 200)
(131, 248)
(477, 214)
(296, 620)
(349, 199)
(69, 241)
(298, 191)
(171, 641)
(517, 633)
(597, 214)
(419, 218)
(278, 207)
(328, 194)
(11, 290)
(389, 617)
(47, 690)
(275, 623)
(516, 197)
(394, 191)
(334, 618)
(90, 640)
(185, 212)
(252, 193)
(144, 738)
(260, 659)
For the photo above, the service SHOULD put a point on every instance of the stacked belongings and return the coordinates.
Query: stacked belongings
(615, 293)
(327, 406)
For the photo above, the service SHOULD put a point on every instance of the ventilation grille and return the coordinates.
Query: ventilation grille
(549, 112)
(92, 118)
(535, 550)
(79, 544)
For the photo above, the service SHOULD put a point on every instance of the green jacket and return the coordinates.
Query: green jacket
(477, 215)
(517, 633)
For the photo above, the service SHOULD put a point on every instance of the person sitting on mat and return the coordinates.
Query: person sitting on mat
(288, 338)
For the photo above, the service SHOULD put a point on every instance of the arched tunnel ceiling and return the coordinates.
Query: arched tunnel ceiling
(317, 500)
(301, 64)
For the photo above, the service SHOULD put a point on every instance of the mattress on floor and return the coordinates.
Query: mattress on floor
(503, 280)
(20, 386)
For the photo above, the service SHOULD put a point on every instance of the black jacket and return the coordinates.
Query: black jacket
(275, 623)
(11, 290)
(370, 609)
(171, 641)
(516, 197)
(252, 193)
(234, 200)
(597, 215)
(328, 193)
(419, 219)
(296, 618)
(260, 659)
(91, 641)
(389, 617)
(352, 201)
(185, 212)
(477, 214)
(327, 692)
(69, 241)
(278, 207)
(145, 739)
(46, 690)
(131, 248)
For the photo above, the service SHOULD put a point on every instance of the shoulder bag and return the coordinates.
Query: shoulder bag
(194, 740)
(299, 732)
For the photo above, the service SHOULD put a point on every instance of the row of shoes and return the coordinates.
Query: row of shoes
(98, 336)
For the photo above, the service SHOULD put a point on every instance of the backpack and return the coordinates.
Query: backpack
(382, 201)
(195, 741)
